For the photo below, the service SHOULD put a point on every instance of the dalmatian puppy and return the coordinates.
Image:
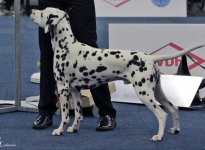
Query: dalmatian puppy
(78, 66)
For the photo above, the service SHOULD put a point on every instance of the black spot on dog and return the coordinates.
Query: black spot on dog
(94, 53)
(133, 73)
(115, 52)
(151, 78)
(78, 88)
(83, 69)
(85, 73)
(135, 58)
(67, 64)
(153, 89)
(117, 56)
(101, 68)
(79, 53)
(94, 77)
(86, 54)
(118, 72)
(86, 80)
(75, 64)
(99, 58)
(57, 56)
(73, 74)
(66, 105)
(91, 72)
(140, 84)
(98, 79)
(144, 93)
(132, 53)
(106, 55)
(50, 21)
(143, 80)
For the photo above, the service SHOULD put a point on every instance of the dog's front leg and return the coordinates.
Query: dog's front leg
(64, 101)
(78, 111)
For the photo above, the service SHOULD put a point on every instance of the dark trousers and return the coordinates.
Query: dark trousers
(83, 24)
(8, 4)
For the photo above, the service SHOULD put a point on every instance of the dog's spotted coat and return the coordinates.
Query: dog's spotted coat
(78, 66)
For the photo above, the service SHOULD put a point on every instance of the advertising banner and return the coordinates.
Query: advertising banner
(141, 8)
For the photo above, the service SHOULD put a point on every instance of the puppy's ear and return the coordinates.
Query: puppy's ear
(51, 22)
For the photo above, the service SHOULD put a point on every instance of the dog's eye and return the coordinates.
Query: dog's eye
(41, 14)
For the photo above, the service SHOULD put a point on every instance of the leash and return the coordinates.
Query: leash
(65, 16)
(72, 6)
(195, 61)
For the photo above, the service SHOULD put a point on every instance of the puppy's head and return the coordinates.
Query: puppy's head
(47, 18)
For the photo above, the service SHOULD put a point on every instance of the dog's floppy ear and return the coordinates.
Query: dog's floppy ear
(51, 22)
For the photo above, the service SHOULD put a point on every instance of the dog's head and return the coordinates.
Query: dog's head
(47, 18)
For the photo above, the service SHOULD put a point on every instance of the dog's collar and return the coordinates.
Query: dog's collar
(65, 16)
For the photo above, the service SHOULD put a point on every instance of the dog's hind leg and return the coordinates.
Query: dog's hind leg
(63, 93)
(162, 99)
(149, 100)
(78, 111)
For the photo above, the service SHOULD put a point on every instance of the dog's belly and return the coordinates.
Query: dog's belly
(88, 83)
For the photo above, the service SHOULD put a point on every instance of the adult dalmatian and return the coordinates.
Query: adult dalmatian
(78, 66)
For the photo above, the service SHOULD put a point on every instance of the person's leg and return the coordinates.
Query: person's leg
(47, 102)
(83, 24)
(9, 3)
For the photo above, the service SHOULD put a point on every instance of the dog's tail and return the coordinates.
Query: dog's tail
(157, 58)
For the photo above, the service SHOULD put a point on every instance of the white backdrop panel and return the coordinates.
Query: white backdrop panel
(176, 88)
(169, 38)
(140, 8)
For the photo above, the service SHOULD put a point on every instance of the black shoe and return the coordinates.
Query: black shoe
(106, 123)
(42, 122)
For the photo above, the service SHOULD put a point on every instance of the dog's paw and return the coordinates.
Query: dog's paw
(57, 132)
(72, 129)
(156, 138)
(174, 131)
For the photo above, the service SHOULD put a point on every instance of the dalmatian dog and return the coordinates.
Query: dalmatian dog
(78, 66)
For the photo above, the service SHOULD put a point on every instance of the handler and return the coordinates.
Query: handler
(83, 24)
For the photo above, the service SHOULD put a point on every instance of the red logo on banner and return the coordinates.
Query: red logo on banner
(116, 3)
(198, 59)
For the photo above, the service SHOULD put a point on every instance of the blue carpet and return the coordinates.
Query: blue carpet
(135, 126)
(135, 123)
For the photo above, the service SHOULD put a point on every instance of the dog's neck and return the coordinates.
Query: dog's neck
(63, 35)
